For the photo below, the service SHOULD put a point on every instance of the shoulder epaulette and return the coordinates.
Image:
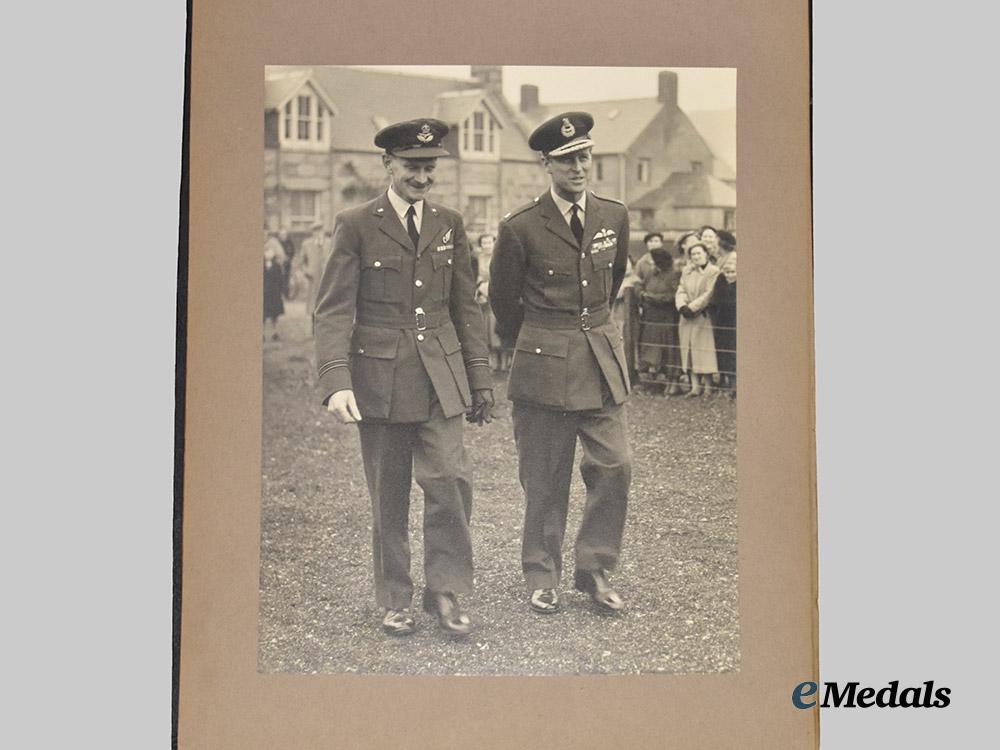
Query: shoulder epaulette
(609, 200)
(520, 210)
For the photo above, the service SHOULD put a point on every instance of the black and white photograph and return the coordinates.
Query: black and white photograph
(499, 371)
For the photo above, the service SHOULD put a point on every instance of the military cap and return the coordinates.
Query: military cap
(563, 134)
(414, 139)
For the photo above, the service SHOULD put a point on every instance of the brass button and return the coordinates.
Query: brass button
(418, 282)
(551, 272)
(538, 351)
(361, 350)
(420, 337)
(449, 261)
(585, 282)
(583, 255)
(610, 263)
(378, 264)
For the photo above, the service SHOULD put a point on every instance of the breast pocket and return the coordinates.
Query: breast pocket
(380, 278)
(559, 285)
(603, 263)
(443, 264)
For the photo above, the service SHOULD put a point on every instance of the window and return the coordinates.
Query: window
(729, 218)
(479, 213)
(303, 209)
(480, 137)
(643, 170)
(305, 122)
(598, 169)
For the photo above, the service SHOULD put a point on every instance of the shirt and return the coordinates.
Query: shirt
(566, 208)
(401, 207)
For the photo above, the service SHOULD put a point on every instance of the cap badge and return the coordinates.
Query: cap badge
(567, 128)
(425, 135)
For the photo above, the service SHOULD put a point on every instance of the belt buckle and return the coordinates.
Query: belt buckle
(421, 318)
(585, 320)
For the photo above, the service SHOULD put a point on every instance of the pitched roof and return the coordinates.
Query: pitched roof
(617, 122)
(368, 100)
(688, 190)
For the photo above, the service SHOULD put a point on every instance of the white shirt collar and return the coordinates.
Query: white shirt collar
(565, 207)
(400, 206)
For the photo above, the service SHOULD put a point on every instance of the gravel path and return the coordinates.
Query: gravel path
(678, 573)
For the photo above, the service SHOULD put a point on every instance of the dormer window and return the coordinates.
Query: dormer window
(480, 137)
(305, 122)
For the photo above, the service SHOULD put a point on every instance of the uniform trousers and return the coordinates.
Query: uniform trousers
(432, 453)
(546, 445)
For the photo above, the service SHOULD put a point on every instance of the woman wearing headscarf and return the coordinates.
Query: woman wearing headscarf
(656, 285)
(694, 294)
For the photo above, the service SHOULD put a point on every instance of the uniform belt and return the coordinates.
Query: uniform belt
(589, 318)
(418, 321)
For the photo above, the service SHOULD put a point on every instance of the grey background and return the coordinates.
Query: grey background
(904, 171)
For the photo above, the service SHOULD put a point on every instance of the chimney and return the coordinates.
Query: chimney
(668, 88)
(490, 76)
(529, 97)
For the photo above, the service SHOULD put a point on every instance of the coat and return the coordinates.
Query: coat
(658, 346)
(696, 338)
(553, 297)
(400, 328)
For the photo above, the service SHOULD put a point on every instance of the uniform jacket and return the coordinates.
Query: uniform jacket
(541, 283)
(369, 335)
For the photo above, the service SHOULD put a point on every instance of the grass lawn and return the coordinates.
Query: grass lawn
(678, 573)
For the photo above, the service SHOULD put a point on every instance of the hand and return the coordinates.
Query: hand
(481, 411)
(687, 313)
(343, 405)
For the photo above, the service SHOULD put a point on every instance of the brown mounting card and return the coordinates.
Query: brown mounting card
(224, 700)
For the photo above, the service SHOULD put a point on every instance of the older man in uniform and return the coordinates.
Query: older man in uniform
(401, 350)
(556, 269)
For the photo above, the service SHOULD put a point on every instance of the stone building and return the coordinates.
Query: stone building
(319, 157)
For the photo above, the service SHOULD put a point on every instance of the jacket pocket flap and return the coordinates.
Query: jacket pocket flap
(548, 343)
(375, 342)
(449, 341)
(388, 261)
(440, 260)
(604, 258)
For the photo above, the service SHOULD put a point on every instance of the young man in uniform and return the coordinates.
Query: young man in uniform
(556, 270)
(401, 351)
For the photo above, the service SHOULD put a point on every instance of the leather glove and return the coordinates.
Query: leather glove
(687, 313)
(481, 411)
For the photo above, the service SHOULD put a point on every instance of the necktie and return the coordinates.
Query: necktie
(576, 226)
(411, 226)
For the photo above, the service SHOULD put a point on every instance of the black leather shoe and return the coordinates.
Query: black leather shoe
(444, 605)
(595, 583)
(544, 601)
(398, 622)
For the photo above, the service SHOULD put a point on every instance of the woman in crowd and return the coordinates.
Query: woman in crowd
(656, 285)
(709, 237)
(724, 322)
(694, 293)
(274, 282)
(481, 267)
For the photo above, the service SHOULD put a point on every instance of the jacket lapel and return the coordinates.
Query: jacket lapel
(554, 221)
(592, 222)
(431, 225)
(390, 223)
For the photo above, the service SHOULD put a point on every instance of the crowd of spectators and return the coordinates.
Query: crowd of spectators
(687, 312)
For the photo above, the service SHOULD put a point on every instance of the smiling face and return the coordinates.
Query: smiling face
(411, 178)
(698, 256)
(569, 173)
(729, 269)
(711, 239)
(654, 243)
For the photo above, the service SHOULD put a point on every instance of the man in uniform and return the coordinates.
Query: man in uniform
(556, 269)
(401, 351)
